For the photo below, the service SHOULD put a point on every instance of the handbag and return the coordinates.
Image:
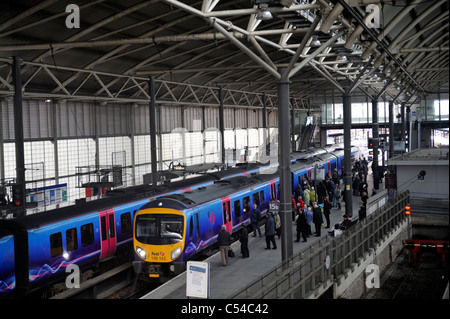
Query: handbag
(231, 253)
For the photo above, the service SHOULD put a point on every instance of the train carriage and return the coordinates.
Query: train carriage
(36, 249)
(7, 275)
(203, 211)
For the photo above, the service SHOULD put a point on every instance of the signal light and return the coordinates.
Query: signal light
(407, 210)
(370, 143)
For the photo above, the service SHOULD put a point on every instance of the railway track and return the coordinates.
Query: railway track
(427, 279)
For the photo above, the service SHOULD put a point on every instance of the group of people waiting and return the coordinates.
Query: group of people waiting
(272, 226)
(309, 206)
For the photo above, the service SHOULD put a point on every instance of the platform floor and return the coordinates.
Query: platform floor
(239, 272)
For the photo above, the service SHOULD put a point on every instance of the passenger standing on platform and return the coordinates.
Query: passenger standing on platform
(224, 241)
(331, 187)
(243, 239)
(307, 196)
(255, 216)
(309, 216)
(327, 210)
(364, 197)
(294, 207)
(277, 219)
(298, 191)
(338, 196)
(321, 191)
(356, 182)
(312, 196)
(362, 186)
(317, 218)
(270, 231)
(302, 226)
(300, 202)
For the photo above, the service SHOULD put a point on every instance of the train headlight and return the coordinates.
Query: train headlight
(141, 252)
(175, 253)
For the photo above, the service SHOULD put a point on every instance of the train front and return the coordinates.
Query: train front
(158, 241)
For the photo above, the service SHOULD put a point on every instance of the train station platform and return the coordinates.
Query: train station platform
(239, 272)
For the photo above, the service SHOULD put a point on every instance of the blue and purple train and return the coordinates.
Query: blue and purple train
(36, 249)
(173, 229)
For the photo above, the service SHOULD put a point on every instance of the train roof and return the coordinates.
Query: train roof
(208, 193)
(121, 196)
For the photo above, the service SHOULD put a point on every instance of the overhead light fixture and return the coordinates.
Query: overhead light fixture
(316, 41)
(264, 13)
(342, 58)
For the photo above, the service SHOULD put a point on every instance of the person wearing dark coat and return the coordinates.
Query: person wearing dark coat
(302, 225)
(317, 218)
(243, 238)
(224, 241)
(270, 231)
(327, 210)
(321, 192)
(255, 215)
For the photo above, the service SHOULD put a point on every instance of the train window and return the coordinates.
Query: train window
(125, 222)
(237, 208)
(71, 239)
(56, 248)
(87, 235)
(191, 227)
(103, 226)
(112, 232)
(198, 225)
(256, 199)
(246, 202)
(261, 195)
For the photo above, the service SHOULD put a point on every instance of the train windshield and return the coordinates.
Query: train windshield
(159, 229)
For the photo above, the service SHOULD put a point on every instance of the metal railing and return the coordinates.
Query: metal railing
(311, 271)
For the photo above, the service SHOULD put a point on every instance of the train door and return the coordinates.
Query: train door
(107, 233)
(329, 168)
(273, 190)
(226, 212)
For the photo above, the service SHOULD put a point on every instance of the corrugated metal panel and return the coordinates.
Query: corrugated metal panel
(272, 119)
(193, 118)
(228, 118)
(253, 118)
(241, 118)
(74, 119)
(170, 118)
(141, 119)
(211, 117)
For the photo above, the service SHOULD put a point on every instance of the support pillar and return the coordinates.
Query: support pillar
(391, 129)
(408, 128)
(284, 168)
(376, 136)
(347, 153)
(221, 126)
(19, 188)
(153, 148)
(292, 126)
(264, 120)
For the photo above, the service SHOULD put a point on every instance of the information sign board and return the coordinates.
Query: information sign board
(197, 279)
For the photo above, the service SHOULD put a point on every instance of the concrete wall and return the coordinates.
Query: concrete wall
(434, 185)
(352, 285)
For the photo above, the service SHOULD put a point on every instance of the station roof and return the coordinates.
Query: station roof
(398, 48)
